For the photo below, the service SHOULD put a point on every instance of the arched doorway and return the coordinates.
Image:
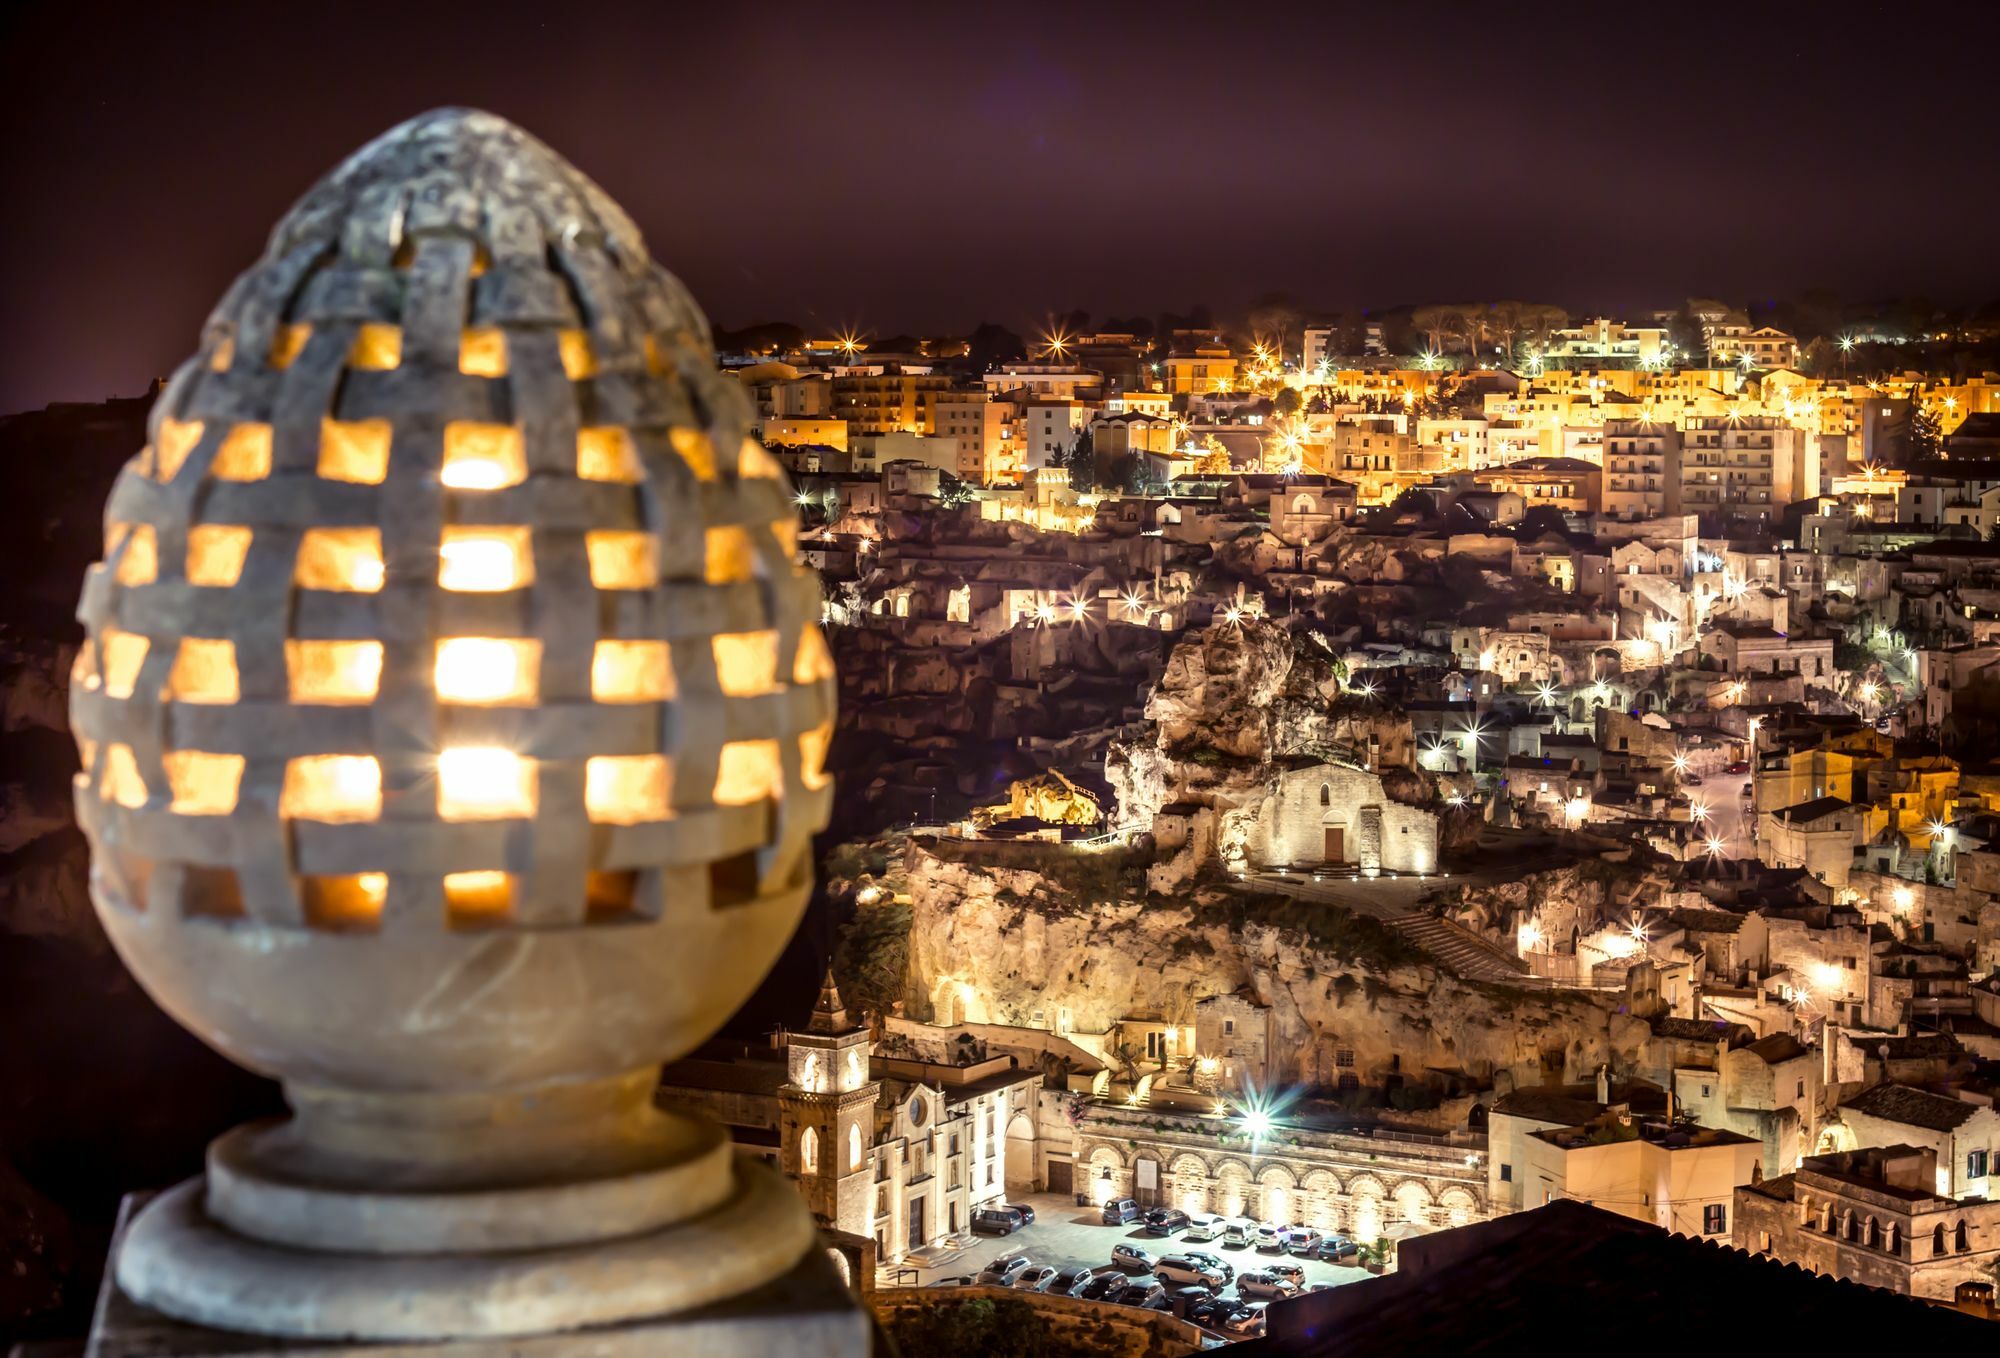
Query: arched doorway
(1021, 1153)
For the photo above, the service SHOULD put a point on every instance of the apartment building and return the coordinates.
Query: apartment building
(1639, 455)
(1754, 465)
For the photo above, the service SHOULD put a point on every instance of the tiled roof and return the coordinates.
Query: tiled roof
(1912, 1107)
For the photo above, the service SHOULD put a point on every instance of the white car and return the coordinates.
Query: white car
(1034, 1278)
(1239, 1231)
(1270, 1239)
(1265, 1286)
(1002, 1271)
(1132, 1259)
(1203, 1226)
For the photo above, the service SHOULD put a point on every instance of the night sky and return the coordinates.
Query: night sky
(926, 168)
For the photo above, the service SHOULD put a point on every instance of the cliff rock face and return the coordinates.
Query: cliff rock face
(1023, 945)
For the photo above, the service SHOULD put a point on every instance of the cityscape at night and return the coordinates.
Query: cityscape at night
(1092, 684)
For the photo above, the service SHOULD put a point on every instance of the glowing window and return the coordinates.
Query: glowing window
(482, 456)
(353, 902)
(177, 439)
(485, 560)
(245, 454)
(140, 563)
(204, 671)
(124, 653)
(622, 560)
(482, 352)
(750, 771)
(485, 784)
(288, 344)
(746, 663)
(348, 559)
(730, 557)
(605, 453)
(332, 787)
(333, 671)
(122, 783)
(578, 360)
(203, 784)
(473, 899)
(627, 789)
(488, 670)
(697, 450)
(631, 672)
(215, 554)
(376, 348)
(354, 450)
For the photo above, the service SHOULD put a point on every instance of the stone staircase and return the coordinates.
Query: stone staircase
(1460, 951)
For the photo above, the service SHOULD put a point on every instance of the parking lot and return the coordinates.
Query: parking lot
(1068, 1236)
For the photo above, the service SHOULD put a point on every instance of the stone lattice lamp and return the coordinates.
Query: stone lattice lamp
(452, 717)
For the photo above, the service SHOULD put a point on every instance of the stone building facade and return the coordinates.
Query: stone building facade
(1337, 815)
(1361, 1185)
(1872, 1216)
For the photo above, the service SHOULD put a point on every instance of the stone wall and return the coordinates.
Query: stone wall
(1376, 832)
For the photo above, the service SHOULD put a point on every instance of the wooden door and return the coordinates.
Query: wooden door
(1336, 844)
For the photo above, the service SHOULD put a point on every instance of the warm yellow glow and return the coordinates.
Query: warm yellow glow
(288, 344)
(345, 902)
(377, 348)
(124, 653)
(622, 560)
(1530, 936)
(347, 559)
(334, 671)
(757, 464)
(482, 352)
(786, 531)
(731, 558)
(605, 453)
(578, 360)
(476, 898)
(697, 450)
(750, 771)
(140, 562)
(814, 661)
(488, 670)
(485, 560)
(482, 456)
(204, 671)
(122, 783)
(1904, 897)
(631, 672)
(813, 747)
(215, 554)
(203, 784)
(627, 789)
(177, 440)
(354, 450)
(485, 783)
(332, 787)
(225, 354)
(746, 663)
(245, 454)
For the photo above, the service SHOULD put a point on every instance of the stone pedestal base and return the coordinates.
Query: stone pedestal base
(797, 1307)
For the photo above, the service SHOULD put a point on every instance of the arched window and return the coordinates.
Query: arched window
(1874, 1237)
(1895, 1245)
(1849, 1227)
(1325, 794)
(809, 1154)
(853, 1147)
(1826, 1218)
(1959, 1242)
(1937, 1240)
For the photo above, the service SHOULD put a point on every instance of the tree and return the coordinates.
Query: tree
(1924, 438)
(1540, 321)
(1689, 336)
(1288, 402)
(1080, 460)
(1436, 324)
(952, 492)
(989, 344)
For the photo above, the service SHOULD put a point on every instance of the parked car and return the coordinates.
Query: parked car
(1287, 1270)
(1690, 780)
(1101, 1287)
(1068, 1283)
(1302, 1240)
(1335, 1248)
(1164, 1221)
(961, 1280)
(1737, 766)
(1204, 1226)
(1212, 1261)
(1026, 1213)
(1264, 1286)
(1034, 1279)
(1211, 1313)
(1239, 1232)
(1002, 1271)
(1247, 1323)
(1185, 1299)
(1270, 1238)
(1183, 1271)
(1138, 1292)
(1132, 1258)
(1118, 1211)
(996, 1221)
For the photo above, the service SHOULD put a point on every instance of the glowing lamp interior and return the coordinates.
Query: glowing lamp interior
(485, 784)
(578, 360)
(204, 671)
(354, 450)
(605, 453)
(697, 450)
(622, 560)
(488, 670)
(472, 899)
(245, 454)
(350, 902)
(334, 671)
(750, 771)
(746, 663)
(124, 653)
(288, 343)
(482, 352)
(482, 456)
(813, 747)
(348, 559)
(631, 672)
(332, 787)
(485, 560)
(139, 563)
(121, 781)
(730, 557)
(812, 662)
(177, 439)
(628, 789)
(376, 348)
(215, 554)
(203, 784)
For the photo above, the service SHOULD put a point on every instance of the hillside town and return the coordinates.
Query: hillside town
(1291, 781)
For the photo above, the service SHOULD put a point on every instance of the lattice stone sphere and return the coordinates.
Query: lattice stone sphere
(451, 698)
